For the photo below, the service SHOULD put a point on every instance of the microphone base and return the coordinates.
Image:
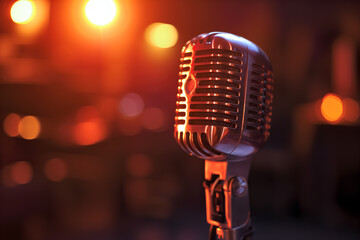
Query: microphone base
(227, 199)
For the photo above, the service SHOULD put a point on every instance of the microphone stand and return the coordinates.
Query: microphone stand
(227, 199)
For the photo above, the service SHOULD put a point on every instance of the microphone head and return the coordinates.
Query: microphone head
(225, 96)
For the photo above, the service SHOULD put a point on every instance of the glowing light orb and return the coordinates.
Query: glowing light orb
(331, 107)
(56, 169)
(131, 105)
(161, 35)
(29, 127)
(22, 11)
(100, 12)
(21, 172)
(11, 123)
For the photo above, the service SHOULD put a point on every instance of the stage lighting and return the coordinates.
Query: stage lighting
(100, 12)
(22, 11)
(161, 35)
(331, 107)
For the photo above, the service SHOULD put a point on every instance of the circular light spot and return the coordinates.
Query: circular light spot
(29, 127)
(161, 35)
(153, 118)
(100, 12)
(21, 172)
(56, 169)
(11, 123)
(131, 105)
(351, 110)
(90, 132)
(331, 107)
(139, 165)
(22, 11)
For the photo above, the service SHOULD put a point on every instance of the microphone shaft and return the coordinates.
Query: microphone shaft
(227, 198)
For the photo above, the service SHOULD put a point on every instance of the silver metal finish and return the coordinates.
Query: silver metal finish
(225, 94)
(223, 115)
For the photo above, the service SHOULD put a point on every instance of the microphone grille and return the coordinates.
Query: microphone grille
(217, 76)
(260, 100)
(209, 89)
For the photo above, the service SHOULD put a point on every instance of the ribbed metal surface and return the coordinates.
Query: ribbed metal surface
(215, 100)
(260, 100)
(185, 63)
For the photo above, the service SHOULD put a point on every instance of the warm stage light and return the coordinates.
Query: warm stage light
(90, 127)
(21, 172)
(100, 12)
(331, 107)
(56, 169)
(161, 35)
(22, 11)
(11, 123)
(29, 127)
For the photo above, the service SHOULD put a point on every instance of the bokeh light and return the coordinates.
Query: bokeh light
(100, 12)
(153, 118)
(351, 110)
(21, 172)
(11, 123)
(131, 105)
(161, 35)
(56, 169)
(90, 128)
(29, 127)
(22, 11)
(331, 107)
(139, 165)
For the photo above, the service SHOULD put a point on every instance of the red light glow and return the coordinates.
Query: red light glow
(90, 128)
(11, 123)
(56, 169)
(21, 172)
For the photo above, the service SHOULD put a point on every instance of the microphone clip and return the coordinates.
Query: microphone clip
(227, 199)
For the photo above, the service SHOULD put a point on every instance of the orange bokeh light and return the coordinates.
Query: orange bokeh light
(21, 172)
(56, 169)
(11, 123)
(90, 128)
(29, 127)
(331, 107)
(161, 35)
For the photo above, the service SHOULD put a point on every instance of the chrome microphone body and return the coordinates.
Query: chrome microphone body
(223, 115)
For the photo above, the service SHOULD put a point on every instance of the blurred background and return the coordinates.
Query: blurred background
(87, 101)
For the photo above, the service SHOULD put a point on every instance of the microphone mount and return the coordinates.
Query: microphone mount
(227, 199)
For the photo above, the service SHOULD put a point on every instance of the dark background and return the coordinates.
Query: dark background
(133, 181)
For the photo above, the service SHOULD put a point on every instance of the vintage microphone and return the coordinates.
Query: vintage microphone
(223, 115)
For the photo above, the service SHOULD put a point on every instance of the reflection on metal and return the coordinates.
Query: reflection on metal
(223, 115)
